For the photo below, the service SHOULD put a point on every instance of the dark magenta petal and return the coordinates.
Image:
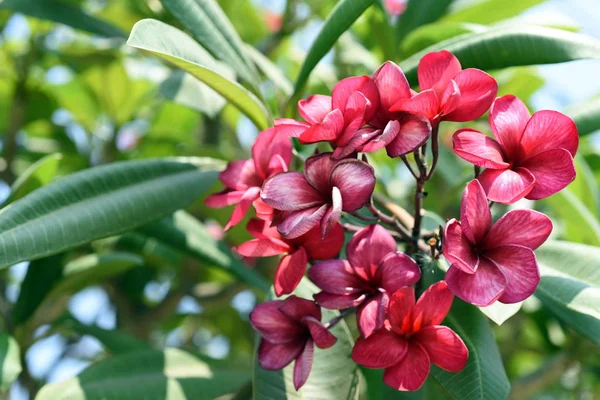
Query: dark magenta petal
(272, 325)
(482, 288)
(356, 180)
(527, 228)
(475, 215)
(414, 132)
(458, 249)
(334, 212)
(549, 130)
(317, 170)
(290, 191)
(339, 301)
(505, 185)
(444, 347)
(269, 143)
(300, 222)
(380, 350)
(402, 303)
(433, 306)
(378, 139)
(479, 149)
(303, 365)
(508, 118)
(411, 372)
(371, 314)
(553, 171)
(397, 270)
(289, 272)
(369, 246)
(277, 356)
(320, 335)
(315, 108)
(296, 308)
(477, 92)
(336, 277)
(520, 267)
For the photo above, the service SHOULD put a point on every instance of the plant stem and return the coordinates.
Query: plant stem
(435, 149)
(410, 168)
(340, 317)
(386, 219)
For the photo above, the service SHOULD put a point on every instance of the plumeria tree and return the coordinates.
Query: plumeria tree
(182, 220)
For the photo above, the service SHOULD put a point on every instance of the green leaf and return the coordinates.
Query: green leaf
(185, 233)
(420, 12)
(570, 286)
(58, 11)
(209, 25)
(184, 89)
(578, 223)
(171, 374)
(42, 275)
(499, 312)
(339, 20)
(270, 70)
(585, 187)
(39, 174)
(10, 361)
(430, 34)
(99, 202)
(522, 82)
(333, 375)
(484, 376)
(176, 47)
(503, 47)
(490, 11)
(586, 116)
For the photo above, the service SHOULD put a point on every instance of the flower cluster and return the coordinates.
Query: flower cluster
(303, 215)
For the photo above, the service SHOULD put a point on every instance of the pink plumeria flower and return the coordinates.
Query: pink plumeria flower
(271, 154)
(373, 272)
(335, 118)
(298, 252)
(395, 7)
(289, 329)
(532, 156)
(492, 262)
(449, 93)
(398, 132)
(318, 196)
(413, 339)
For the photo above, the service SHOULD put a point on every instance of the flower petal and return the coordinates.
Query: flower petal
(402, 303)
(414, 132)
(263, 248)
(368, 247)
(508, 118)
(317, 170)
(291, 127)
(371, 313)
(299, 222)
(519, 266)
(432, 307)
(380, 350)
(505, 185)
(289, 272)
(553, 171)
(477, 92)
(482, 288)
(331, 127)
(475, 215)
(276, 356)
(411, 372)
(425, 104)
(354, 117)
(224, 198)
(397, 270)
(240, 210)
(450, 98)
(392, 85)
(290, 191)
(388, 134)
(457, 248)
(303, 365)
(315, 108)
(339, 301)
(271, 324)
(444, 347)
(239, 175)
(262, 210)
(356, 180)
(334, 212)
(527, 228)
(479, 149)
(269, 143)
(347, 87)
(323, 248)
(296, 308)
(321, 335)
(547, 130)
(336, 277)
(359, 142)
(436, 69)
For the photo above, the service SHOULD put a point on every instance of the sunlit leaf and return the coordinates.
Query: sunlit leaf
(270, 70)
(10, 361)
(586, 116)
(420, 12)
(37, 175)
(490, 11)
(578, 223)
(500, 312)
(430, 34)
(186, 90)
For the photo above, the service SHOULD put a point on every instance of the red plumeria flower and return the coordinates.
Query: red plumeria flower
(532, 156)
(335, 119)
(271, 154)
(318, 196)
(289, 331)
(373, 272)
(398, 132)
(449, 93)
(298, 252)
(413, 339)
(493, 261)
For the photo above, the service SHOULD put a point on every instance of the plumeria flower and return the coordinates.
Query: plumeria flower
(298, 252)
(318, 196)
(335, 118)
(289, 329)
(413, 339)
(271, 154)
(532, 156)
(449, 93)
(398, 132)
(395, 7)
(493, 261)
(373, 272)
